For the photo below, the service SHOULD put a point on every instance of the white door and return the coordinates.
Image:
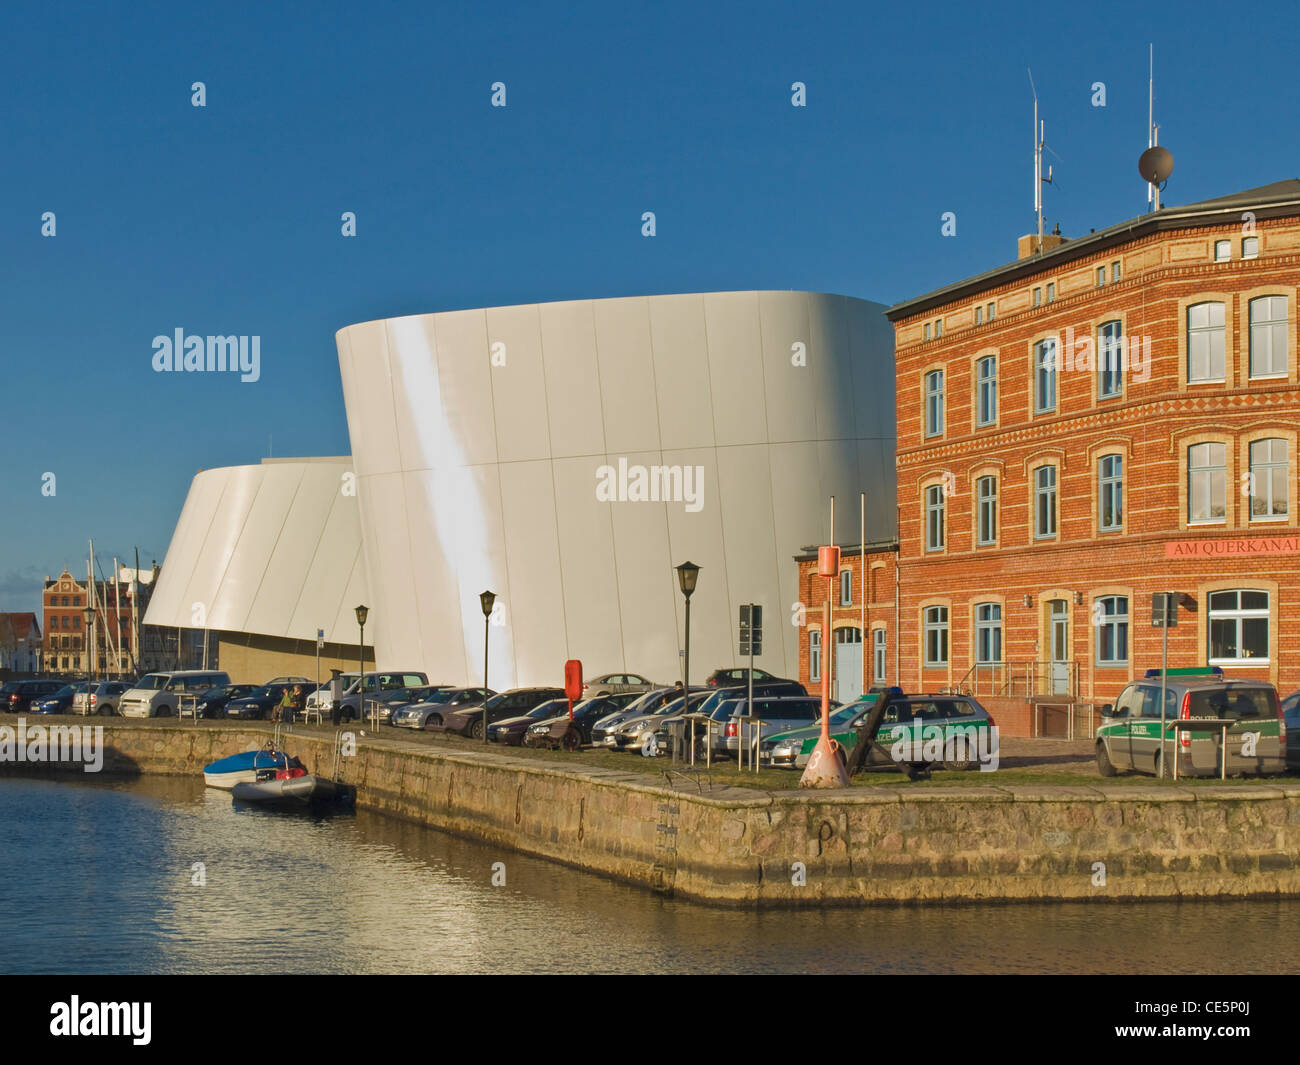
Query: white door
(1059, 642)
(848, 665)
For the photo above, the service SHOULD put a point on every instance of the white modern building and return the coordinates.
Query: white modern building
(567, 456)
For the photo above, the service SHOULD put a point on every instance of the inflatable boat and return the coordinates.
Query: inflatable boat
(293, 787)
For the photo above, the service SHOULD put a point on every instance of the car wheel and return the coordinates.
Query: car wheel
(1104, 766)
(433, 719)
(960, 765)
(105, 711)
(476, 730)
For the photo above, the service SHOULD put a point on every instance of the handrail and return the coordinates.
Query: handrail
(1032, 677)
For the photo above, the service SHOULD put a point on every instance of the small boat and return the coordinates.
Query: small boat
(294, 787)
(245, 766)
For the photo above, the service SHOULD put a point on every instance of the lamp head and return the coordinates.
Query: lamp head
(362, 613)
(687, 575)
(485, 600)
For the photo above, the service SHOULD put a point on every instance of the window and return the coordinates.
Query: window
(814, 656)
(1110, 493)
(1051, 291)
(979, 315)
(936, 636)
(1207, 483)
(1110, 360)
(878, 655)
(934, 518)
(938, 328)
(1205, 342)
(1115, 273)
(986, 511)
(1044, 376)
(1268, 332)
(927, 330)
(1038, 297)
(934, 403)
(846, 587)
(1101, 276)
(1269, 478)
(1238, 627)
(1044, 502)
(988, 632)
(986, 390)
(992, 310)
(1249, 247)
(1222, 251)
(1111, 617)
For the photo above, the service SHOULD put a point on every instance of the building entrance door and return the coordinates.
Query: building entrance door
(848, 665)
(1058, 642)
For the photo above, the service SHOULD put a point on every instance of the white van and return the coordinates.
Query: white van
(156, 695)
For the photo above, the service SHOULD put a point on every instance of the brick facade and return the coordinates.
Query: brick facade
(1078, 569)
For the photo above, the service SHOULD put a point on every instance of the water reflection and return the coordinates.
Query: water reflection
(105, 874)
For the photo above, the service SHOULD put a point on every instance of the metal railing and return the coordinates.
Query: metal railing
(1072, 720)
(1025, 679)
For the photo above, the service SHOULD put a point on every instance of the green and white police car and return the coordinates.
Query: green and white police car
(1129, 734)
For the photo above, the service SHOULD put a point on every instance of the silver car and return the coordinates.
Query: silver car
(416, 715)
(616, 684)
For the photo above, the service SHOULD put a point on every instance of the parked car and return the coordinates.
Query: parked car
(103, 699)
(1291, 717)
(616, 684)
(377, 683)
(585, 715)
(429, 710)
(510, 731)
(635, 733)
(730, 678)
(158, 694)
(386, 703)
(257, 704)
(323, 700)
(290, 680)
(602, 732)
(955, 726)
(58, 703)
(1129, 734)
(513, 703)
(786, 749)
(18, 696)
(212, 703)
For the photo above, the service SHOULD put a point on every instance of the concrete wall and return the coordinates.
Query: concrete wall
(738, 846)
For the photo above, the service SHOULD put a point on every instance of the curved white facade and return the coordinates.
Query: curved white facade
(273, 549)
(479, 437)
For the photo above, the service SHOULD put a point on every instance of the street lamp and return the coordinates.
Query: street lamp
(362, 613)
(687, 574)
(89, 615)
(485, 600)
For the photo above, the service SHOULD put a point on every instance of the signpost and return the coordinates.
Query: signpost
(1164, 616)
(320, 646)
(751, 644)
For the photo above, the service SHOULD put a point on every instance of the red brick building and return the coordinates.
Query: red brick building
(1102, 419)
(64, 649)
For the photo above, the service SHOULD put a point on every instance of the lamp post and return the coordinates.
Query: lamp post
(485, 600)
(687, 575)
(362, 613)
(89, 615)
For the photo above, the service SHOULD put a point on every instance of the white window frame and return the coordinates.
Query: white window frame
(1222, 251)
(1043, 376)
(1238, 615)
(1110, 483)
(935, 631)
(1045, 502)
(1116, 622)
(934, 402)
(1249, 247)
(988, 633)
(935, 518)
(1260, 477)
(1275, 330)
(1110, 359)
(846, 587)
(986, 511)
(814, 656)
(986, 387)
(1206, 471)
(1215, 335)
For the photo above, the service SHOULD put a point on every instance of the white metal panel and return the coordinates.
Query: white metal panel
(534, 594)
(518, 384)
(736, 368)
(577, 425)
(465, 389)
(681, 371)
(787, 375)
(627, 381)
(168, 602)
(371, 422)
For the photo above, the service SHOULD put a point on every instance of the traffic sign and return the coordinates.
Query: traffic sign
(1164, 610)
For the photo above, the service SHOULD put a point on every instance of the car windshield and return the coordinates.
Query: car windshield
(268, 691)
(154, 682)
(549, 709)
(67, 689)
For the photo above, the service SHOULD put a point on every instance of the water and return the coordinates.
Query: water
(97, 878)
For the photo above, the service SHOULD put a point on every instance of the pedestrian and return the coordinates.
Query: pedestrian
(298, 704)
(284, 709)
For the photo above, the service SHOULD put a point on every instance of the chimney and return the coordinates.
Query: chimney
(1027, 245)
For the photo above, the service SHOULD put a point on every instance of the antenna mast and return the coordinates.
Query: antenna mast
(1040, 140)
(1153, 136)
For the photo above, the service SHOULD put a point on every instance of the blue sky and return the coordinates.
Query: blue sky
(226, 219)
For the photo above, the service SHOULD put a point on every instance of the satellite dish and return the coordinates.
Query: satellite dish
(1156, 164)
